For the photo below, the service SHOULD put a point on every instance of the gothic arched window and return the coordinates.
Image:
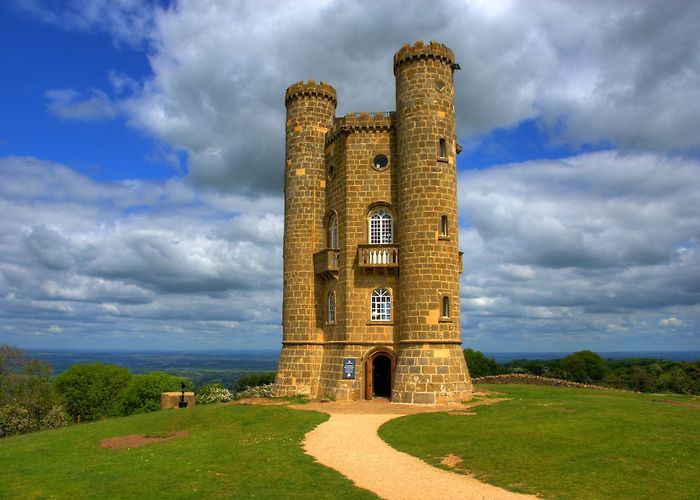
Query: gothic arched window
(381, 230)
(333, 232)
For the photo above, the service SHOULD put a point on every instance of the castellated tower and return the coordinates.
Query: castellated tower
(371, 258)
(310, 113)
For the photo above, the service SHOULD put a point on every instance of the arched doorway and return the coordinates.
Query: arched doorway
(379, 375)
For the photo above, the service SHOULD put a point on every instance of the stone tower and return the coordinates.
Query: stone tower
(371, 257)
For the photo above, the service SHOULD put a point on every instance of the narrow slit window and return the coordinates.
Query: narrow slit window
(333, 233)
(445, 307)
(331, 308)
(444, 228)
(443, 148)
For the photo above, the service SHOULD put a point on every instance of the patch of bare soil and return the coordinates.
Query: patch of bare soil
(451, 460)
(136, 440)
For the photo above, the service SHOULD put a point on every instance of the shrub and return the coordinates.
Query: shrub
(213, 393)
(584, 367)
(92, 390)
(55, 418)
(254, 380)
(143, 391)
(480, 365)
(14, 419)
(261, 391)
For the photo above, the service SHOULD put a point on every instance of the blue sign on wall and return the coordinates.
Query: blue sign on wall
(348, 368)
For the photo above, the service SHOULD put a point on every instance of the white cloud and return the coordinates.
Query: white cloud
(671, 322)
(70, 105)
(625, 73)
(79, 253)
(601, 242)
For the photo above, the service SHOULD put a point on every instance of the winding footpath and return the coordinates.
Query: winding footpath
(348, 442)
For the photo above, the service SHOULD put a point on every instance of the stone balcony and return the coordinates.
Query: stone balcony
(326, 263)
(378, 256)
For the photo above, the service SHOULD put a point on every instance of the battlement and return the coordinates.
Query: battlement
(361, 122)
(420, 50)
(312, 89)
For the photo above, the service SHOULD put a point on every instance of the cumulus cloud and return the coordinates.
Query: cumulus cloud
(625, 73)
(70, 105)
(79, 253)
(600, 242)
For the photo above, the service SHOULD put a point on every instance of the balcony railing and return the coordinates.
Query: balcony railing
(326, 263)
(378, 256)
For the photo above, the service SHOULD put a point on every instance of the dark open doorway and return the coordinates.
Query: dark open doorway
(381, 376)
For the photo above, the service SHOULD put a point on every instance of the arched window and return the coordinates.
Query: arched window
(331, 308)
(333, 232)
(444, 228)
(381, 305)
(445, 307)
(381, 230)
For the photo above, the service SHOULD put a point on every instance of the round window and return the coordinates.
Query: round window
(380, 162)
(440, 86)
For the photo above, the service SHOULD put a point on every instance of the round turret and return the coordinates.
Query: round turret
(427, 228)
(310, 113)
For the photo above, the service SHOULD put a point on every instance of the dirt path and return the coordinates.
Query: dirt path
(348, 442)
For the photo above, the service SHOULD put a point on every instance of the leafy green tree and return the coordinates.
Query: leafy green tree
(25, 384)
(583, 366)
(480, 365)
(92, 390)
(142, 394)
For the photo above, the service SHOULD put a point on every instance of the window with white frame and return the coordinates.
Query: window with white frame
(381, 305)
(331, 308)
(380, 227)
(333, 232)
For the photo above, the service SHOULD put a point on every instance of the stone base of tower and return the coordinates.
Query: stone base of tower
(298, 370)
(431, 374)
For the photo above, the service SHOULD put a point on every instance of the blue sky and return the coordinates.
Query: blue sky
(141, 149)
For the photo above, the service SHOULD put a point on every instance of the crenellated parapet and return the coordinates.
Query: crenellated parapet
(420, 50)
(310, 89)
(361, 122)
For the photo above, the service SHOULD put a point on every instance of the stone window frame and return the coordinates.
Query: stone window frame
(331, 307)
(381, 301)
(380, 232)
(444, 233)
(445, 307)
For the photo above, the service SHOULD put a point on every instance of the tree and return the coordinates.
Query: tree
(92, 390)
(25, 386)
(143, 392)
(584, 366)
(479, 365)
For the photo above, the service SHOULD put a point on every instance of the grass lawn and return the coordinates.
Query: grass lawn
(241, 451)
(566, 443)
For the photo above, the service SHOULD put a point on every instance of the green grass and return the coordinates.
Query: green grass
(566, 443)
(231, 451)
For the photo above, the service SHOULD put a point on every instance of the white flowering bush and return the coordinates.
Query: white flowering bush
(55, 418)
(14, 419)
(213, 393)
(261, 391)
